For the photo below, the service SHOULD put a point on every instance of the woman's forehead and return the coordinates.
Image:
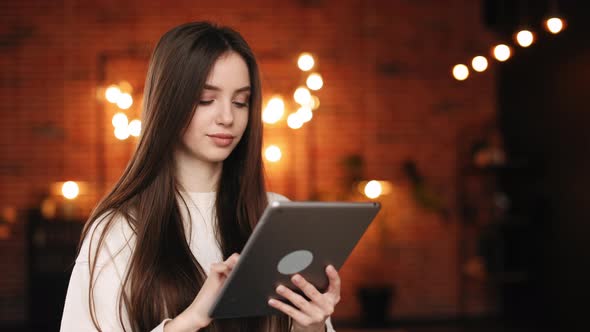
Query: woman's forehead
(229, 73)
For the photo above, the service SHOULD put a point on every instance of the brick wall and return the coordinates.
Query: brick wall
(388, 96)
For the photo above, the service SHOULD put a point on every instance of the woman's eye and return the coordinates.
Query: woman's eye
(205, 102)
(241, 105)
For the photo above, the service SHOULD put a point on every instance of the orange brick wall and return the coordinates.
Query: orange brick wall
(388, 96)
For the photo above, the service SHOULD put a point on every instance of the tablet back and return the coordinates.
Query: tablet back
(291, 237)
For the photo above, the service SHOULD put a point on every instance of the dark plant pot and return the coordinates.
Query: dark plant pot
(375, 302)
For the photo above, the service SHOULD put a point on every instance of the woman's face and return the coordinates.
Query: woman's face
(221, 116)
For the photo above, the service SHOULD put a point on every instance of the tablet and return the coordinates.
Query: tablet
(291, 237)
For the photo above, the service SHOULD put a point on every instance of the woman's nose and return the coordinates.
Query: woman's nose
(225, 114)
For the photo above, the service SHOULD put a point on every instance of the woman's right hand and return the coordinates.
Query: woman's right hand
(196, 316)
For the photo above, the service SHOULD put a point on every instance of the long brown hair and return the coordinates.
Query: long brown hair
(164, 277)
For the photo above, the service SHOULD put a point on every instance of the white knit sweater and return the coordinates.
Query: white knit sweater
(113, 262)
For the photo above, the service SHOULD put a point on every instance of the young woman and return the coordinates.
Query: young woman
(157, 249)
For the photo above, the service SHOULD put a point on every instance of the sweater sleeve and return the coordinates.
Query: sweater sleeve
(276, 197)
(108, 275)
(329, 327)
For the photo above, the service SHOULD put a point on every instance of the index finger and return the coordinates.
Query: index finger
(232, 260)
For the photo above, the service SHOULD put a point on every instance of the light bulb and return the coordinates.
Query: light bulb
(460, 72)
(124, 101)
(305, 114)
(315, 81)
(554, 25)
(274, 110)
(479, 63)
(294, 121)
(120, 120)
(70, 189)
(112, 93)
(525, 38)
(122, 132)
(502, 52)
(273, 153)
(305, 61)
(135, 128)
(302, 96)
(373, 189)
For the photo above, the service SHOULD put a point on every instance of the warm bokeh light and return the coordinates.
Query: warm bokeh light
(112, 93)
(9, 214)
(305, 61)
(305, 114)
(122, 132)
(124, 101)
(525, 38)
(134, 128)
(386, 186)
(70, 190)
(302, 96)
(460, 72)
(314, 81)
(373, 189)
(273, 153)
(48, 208)
(126, 87)
(479, 63)
(554, 25)
(120, 120)
(294, 121)
(274, 110)
(502, 52)
(315, 102)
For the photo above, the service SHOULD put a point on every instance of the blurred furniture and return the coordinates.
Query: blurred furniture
(498, 232)
(51, 248)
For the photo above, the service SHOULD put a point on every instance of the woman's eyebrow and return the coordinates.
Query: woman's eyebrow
(216, 88)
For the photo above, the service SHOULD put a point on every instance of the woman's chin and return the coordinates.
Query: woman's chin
(217, 157)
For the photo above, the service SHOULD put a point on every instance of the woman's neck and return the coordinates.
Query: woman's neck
(196, 175)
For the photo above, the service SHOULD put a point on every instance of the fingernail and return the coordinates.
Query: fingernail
(271, 301)
(296, 278)
(280, 289)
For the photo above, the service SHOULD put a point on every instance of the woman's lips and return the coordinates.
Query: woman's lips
(222, 140)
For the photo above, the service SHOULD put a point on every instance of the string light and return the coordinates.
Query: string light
(554, 25)
(314, 81)
(305, 114)
(121, 96)
(305, 61)
(122, 132)
(525, 38)
(112, 93)
(273, 153)
(274, 110)
(294, 121)
(460, 72)
(479, 63)
(124, 101)
(302, 96)
(120, 120)
(134, 128)
(502, 52)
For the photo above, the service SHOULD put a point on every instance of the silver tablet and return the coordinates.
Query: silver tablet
(291, 237)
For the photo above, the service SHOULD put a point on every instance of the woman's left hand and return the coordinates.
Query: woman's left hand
(309, 315)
